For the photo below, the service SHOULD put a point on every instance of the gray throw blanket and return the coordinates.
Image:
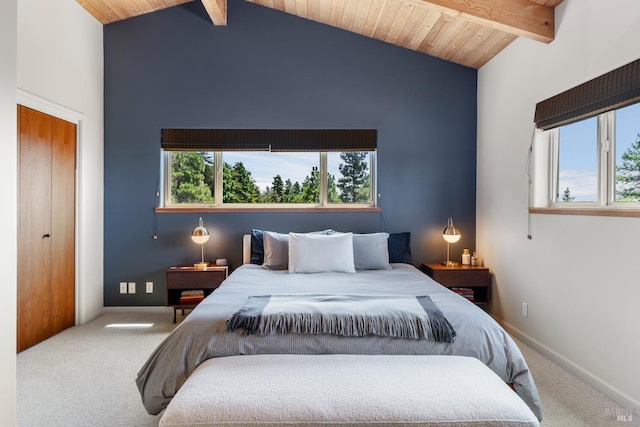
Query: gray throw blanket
(413, 317)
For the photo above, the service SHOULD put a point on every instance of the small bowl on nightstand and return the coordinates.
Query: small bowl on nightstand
(201, 265)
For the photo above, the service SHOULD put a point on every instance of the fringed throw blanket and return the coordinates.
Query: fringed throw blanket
(414, 317)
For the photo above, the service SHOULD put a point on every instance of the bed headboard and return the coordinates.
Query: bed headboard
(246, 248)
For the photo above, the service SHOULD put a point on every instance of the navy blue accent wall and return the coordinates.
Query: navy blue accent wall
(267, 69)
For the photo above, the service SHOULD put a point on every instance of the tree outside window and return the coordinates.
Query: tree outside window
(628, 174)
(192, 182)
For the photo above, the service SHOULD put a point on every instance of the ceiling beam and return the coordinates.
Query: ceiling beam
(217, 10)
(519, 17)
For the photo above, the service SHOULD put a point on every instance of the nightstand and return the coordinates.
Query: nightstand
(471, 277)
(186, 278)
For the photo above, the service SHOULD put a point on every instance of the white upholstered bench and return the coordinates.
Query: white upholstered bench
(345, 390)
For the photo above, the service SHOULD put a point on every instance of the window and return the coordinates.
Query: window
(349, 177)
(591, 134)
(577, 162)
(627, 154)
(263, 178)
(268, 167)
(595, 162)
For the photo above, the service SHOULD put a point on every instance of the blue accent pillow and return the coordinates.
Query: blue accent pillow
(257, 247)
(400, 247)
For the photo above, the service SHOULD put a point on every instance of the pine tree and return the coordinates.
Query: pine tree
(628, 174)
(209, 171)
(287, 196)
(277, 190)
(296, 193)
(311, 187)
(238, 185)
(332, 190)
(566, 197)
(188, 178)
(353, 170)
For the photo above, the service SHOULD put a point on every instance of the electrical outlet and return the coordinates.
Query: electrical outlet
(525, 309)
(149, 287)
(132, 287)
(123, 287)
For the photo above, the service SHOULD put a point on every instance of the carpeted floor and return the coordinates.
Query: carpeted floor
(568, 401)
(85, 376)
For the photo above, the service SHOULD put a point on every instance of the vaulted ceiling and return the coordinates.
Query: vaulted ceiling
(467, 32)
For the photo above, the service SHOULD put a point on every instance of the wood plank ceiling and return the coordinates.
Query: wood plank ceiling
(467, 32)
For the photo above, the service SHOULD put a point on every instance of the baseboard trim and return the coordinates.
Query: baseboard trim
(86, 318)
(137, 309)
(586, 376)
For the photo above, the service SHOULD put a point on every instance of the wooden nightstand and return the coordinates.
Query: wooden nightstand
(462, 276)
(182, 278)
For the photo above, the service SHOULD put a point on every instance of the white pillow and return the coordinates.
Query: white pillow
(276, 250)
(315, 253)
(371, 251)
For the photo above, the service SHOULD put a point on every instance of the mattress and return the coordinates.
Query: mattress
(203, 334)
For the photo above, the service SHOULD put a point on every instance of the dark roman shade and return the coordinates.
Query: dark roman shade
(616, 89)
(269, 139)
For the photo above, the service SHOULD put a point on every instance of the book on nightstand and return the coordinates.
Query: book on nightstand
(465, 292)
(191, 297)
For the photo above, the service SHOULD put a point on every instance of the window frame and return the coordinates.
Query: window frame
(605, 203)
(218, 205)
(601, 159)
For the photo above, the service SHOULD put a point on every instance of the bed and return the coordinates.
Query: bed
(318, 270)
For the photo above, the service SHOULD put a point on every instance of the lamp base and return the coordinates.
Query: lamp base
(450, 263)
(201, 265)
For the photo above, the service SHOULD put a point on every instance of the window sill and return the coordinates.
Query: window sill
(632, 213)
(231, 209)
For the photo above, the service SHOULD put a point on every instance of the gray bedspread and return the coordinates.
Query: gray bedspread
(203, 334)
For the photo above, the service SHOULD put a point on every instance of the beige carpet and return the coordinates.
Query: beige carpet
(568, 401)
(85, 377)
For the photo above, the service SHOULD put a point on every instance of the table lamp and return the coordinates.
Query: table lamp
(450, 235)
(200, 235)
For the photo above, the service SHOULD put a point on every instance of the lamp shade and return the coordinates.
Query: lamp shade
(450, 233)
(200, 235)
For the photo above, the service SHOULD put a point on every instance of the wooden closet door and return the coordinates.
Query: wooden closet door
(46, 226)
(34, 222)
(63, 159)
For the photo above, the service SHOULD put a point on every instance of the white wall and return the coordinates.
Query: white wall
(579, 274)
(52, 49)
(60, 59)
(8, 213)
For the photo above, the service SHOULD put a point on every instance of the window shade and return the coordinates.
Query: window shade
(269, 139)
(616, 89)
